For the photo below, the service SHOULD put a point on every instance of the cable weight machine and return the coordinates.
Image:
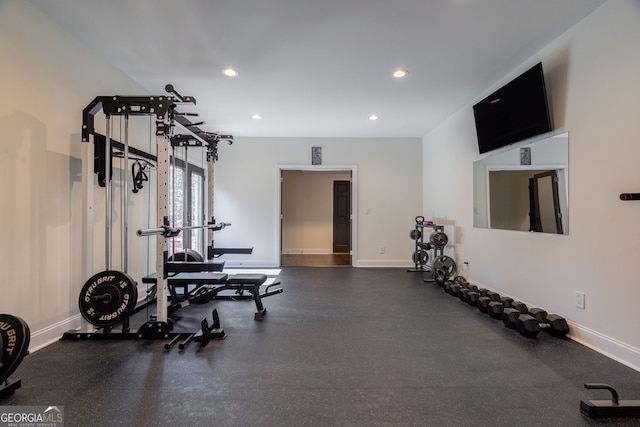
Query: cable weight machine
(109, 297)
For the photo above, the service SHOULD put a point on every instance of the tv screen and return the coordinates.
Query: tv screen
(516, 111)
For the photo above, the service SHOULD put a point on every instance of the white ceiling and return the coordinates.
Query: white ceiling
(319, 68)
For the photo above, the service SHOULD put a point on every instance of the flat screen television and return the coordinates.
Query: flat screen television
(517, 111)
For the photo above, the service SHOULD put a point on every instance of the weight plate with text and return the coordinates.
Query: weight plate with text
(108, 297)
(14, 343)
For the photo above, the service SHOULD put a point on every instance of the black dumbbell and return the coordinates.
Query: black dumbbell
(472, 296)
(495, 306)
(457, 287)
(537, 319)
(507, 302)
(483, 299)
(447, 286)
(462, 294)
(510, 315)
(486, 298)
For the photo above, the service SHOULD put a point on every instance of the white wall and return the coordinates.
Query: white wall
(46, 79)
(388, 185)
(592, 73)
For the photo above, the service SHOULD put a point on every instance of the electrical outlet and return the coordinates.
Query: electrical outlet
(580, 300)
(467, 267)
(382, 249)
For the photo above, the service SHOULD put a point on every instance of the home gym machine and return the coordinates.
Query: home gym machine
(443, 267)
(110, 296)
(200, 281)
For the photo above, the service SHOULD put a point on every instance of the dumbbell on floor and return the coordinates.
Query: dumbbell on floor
(537, 319)
(511, 314)
(495, 305)
(453, 288)
(514, 314)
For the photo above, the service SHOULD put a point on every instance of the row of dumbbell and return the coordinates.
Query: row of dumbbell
(514, 314)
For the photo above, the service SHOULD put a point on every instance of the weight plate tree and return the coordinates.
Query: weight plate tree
(108, 297)
(14, 342)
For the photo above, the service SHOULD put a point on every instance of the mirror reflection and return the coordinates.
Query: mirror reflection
(524, 188)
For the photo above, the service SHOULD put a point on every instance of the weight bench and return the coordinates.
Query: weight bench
(252, 283)
(209, 285)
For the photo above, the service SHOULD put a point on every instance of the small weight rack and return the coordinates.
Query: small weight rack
(443, 266)
(420, 256)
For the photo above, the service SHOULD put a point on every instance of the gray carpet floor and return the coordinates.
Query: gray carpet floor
(340, 347)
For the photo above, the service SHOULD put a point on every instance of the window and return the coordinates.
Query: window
(189, 205)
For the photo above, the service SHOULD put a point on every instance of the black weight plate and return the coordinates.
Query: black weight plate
(459, 280)
(420, 257)
(439, 239)
(446, 264)
(14, 337)
(189, 255)
(121, 293)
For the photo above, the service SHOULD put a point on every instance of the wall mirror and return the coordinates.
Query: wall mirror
(524, 188)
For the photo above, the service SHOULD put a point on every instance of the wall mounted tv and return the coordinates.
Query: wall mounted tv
(517, 111)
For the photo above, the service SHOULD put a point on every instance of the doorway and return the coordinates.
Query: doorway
(316, 218)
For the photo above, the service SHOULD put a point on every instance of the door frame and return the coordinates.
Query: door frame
(325, 168)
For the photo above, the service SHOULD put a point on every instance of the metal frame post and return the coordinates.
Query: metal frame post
(162, 247)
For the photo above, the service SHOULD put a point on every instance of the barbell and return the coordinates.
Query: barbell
(167, 231)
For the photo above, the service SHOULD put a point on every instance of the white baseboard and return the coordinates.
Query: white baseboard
(384, 263)
(50, 334)
(610, 347)
(307, 251)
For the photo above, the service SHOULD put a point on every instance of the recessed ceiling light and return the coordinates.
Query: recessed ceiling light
(230, 72)
(256, 117)
(373, 117)
(400, 73)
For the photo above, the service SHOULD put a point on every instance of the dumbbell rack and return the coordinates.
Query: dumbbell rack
(420, 246)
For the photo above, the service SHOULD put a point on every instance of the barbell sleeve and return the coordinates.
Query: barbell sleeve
(150, 231)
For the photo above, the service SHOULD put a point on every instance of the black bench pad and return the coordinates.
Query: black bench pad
(247, 279)
(200, 278)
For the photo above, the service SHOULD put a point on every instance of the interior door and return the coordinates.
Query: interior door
(341, 216)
